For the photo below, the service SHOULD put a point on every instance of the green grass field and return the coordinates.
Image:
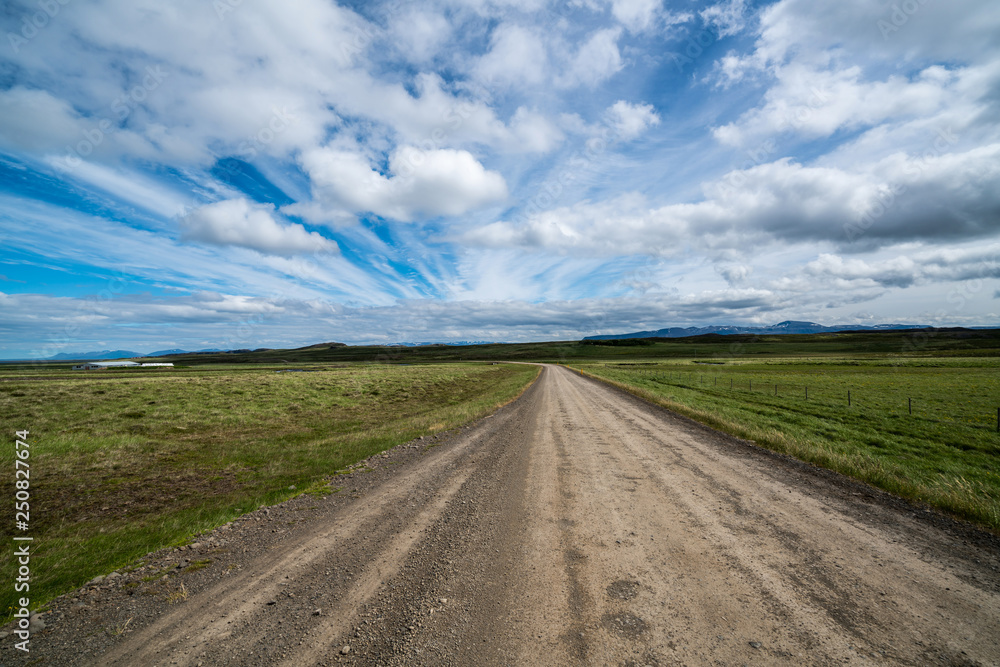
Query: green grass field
(127, 461)
(947, 453)
(124, 462)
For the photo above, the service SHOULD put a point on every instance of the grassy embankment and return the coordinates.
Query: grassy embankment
(124, 462)
(946, 454)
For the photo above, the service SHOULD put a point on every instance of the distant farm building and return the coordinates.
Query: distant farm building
(104, 365)
(101, 365)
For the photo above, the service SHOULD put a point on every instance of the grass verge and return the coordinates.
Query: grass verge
(123, 464)
(946, 453)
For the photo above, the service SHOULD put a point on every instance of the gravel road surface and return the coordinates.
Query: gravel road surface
(577, 525)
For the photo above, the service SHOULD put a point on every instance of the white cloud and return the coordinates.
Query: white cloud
(734, 274)
(433, 111)
(636, 15)
(819, 32)
(728, 18)
(36, 121)
(430, 183)
(619, 226)
(631, 120)
(419, 35)
(132, 188)
(845, 191)
(533, 132)
(223, 79)
(815, 103)
(237, 222)
(829, 68)
(32, 119)
(981, 262)
(897, 272)
(596, 60)
(113, 247)
(935, 196)
(234, 320)
(517, 56)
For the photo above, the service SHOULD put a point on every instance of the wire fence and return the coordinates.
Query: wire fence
(914, 404)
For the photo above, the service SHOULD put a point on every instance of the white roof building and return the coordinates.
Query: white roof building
(97, 365)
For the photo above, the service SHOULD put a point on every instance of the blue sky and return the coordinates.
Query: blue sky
(247, 174)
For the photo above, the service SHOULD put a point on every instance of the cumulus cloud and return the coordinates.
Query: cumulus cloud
(238, 222)
(429, 183)
(631, 120)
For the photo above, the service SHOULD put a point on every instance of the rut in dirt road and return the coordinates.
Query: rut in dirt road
(579, 525)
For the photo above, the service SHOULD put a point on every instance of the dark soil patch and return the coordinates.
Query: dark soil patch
(625, 624)
(132, 494)
(623, 590)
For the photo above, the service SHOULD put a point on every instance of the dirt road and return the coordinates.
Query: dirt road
(577, 525)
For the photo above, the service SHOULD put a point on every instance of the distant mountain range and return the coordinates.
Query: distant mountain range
(103, 354)
(787, 327)
(455, 343)
(108, 355)
(118, 354)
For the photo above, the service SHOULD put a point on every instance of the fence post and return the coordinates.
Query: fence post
(807, 393)
(848, 398)
(909, 403)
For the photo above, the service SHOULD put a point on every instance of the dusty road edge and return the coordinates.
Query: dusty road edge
(91, 592)
(932, 516)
